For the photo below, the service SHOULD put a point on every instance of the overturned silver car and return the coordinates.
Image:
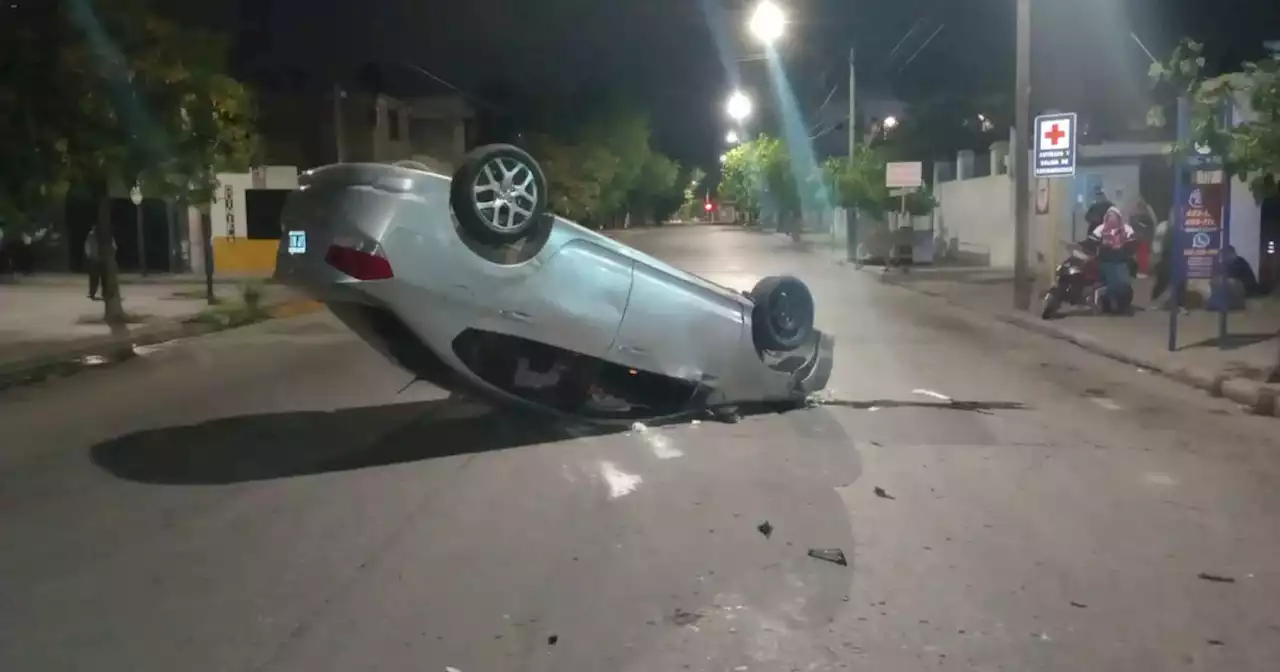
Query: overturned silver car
(469, 283)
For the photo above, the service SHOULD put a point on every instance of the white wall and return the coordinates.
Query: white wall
(277, 177)
(979, 213)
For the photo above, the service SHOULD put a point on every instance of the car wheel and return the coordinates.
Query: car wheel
(782, 319)
(499, 195)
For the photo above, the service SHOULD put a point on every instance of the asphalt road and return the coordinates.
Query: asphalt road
(265, 499)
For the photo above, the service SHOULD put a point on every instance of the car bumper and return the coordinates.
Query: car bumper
(814, 376)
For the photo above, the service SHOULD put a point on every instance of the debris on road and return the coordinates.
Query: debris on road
(682, 617)
(451, 669)
(1079, 605)
(882, 493)
(638, 427)
(832, 555)
(551, 641)
(1216, 578)
(766, 529)
(1217, 642)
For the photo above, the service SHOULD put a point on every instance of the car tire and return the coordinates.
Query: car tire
(491, 180)
(782, 319)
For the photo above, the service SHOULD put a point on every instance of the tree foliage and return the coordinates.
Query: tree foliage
(860, 183)
(111, 94)
(759, 177)
(1251, 149)
(606, 168)
(107, 95)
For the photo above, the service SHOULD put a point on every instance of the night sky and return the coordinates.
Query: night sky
(677, 58)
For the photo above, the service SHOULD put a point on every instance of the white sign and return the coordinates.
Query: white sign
(259, 177)
(135, 195)
(1055, 145)
(904, 174)
(297, 242)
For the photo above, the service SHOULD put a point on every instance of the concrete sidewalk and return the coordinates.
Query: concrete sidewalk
(43, 323)
(1245, 370)
(80, 279)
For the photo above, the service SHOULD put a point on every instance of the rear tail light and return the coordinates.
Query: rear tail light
(359, 264)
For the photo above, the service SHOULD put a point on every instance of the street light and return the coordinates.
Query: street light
(739, 106)
(732, 138)
(890, 123)
(768, 22)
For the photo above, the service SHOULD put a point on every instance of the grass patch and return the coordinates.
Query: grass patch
(193, 295)
(129, 318)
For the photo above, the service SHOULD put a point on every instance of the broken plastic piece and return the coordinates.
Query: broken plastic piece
(766, 529)
(832, 555)
(882, 494)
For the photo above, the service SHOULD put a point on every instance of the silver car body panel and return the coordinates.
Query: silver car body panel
(580, 291)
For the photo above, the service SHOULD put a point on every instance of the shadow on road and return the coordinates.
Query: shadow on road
(262, 447)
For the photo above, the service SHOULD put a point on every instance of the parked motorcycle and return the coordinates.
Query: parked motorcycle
(1078, 282)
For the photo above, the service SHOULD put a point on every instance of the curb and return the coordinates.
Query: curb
(69, 361)
(1260, 398)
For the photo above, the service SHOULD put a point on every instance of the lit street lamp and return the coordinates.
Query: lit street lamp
(890, 123)
(732, 138)
(739, 106)
(768, 22)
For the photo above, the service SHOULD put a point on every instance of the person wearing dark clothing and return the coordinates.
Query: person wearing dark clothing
(1098, 209)
(1236, 268)
(93, 262)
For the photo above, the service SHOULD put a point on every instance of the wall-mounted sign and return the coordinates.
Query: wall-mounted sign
(229, 200)
(1055, 145)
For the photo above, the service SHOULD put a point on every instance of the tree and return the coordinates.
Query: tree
(859, 184)
(138, 100)
(757, 176)
(656, 193)
(605, 168)
(1250, 150)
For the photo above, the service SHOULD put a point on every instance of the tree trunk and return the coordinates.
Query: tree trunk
(113, 308)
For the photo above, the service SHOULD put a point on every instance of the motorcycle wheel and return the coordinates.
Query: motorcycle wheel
(1052, 302)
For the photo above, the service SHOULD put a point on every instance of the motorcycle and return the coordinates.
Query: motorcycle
(1078, 282)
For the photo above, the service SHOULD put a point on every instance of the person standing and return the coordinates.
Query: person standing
(93, 262)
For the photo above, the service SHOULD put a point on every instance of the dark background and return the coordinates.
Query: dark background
(678, 59)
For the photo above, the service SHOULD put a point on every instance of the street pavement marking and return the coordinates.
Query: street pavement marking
(931, 393)
(1106, 403)
(620, 482)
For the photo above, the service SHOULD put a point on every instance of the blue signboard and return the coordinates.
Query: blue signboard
(1200, 225)
(1055, 145)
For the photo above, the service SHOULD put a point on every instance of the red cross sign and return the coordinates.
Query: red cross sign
(1054, 135)
(1055, 145)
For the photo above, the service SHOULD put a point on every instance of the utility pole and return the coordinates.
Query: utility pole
(851, 213)
(339, 130)
(1022, 280)
(853, 99)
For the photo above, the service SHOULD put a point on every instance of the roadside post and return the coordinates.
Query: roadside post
(135, 195)
(1201, 224)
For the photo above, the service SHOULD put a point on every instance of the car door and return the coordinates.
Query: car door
(574, 301)
(676, 327)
